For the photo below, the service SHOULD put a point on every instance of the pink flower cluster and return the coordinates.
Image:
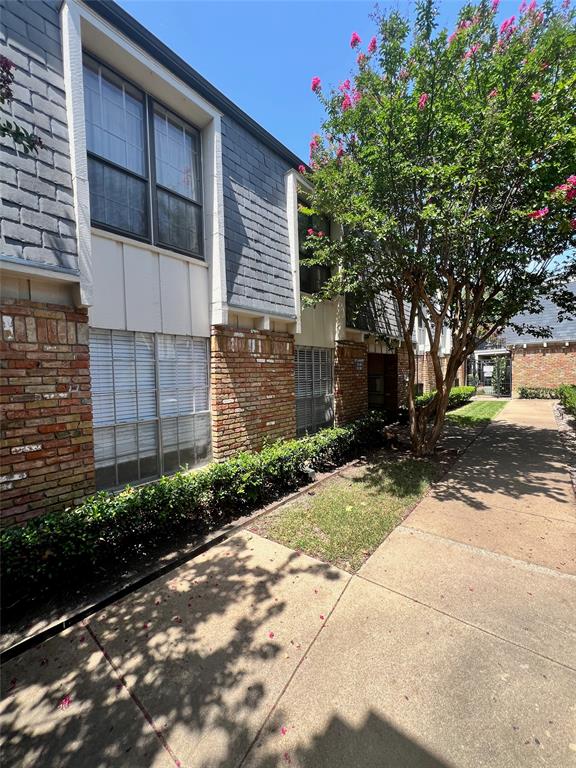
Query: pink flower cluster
(316, 84)
(361, 59)
(345, 86)
(372, 45)
(312, 233)
(346, 103)
(507, 27)
(471, 51)
(536, 96)
(539, 214)
(569, 188)
(355, 40)
(423, 100)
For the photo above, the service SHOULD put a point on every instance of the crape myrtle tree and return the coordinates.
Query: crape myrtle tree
(449, 162)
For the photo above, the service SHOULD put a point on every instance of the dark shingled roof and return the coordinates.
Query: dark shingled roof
(564, 331)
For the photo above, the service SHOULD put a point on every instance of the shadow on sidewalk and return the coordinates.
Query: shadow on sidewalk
(519, 462)
(196, 652)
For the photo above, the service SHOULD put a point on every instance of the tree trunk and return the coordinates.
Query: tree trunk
(427, 423)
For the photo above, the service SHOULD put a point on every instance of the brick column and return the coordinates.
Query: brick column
(253, 391)
(350, 381)
(46, 444)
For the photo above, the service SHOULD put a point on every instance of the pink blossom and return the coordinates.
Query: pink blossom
(316, 84)
(423, 100)
(532, 6)
(562, 188)
(283, 730)
(345, 86)
(465, 24)
(65, 702)
(356, 96)
(340, 150)
(571, 194)
(372, 45)
(301, 168)
(472, 51)
(539, 214)
(320, 234)
(346, 103)
(493, 93)
(522, 6)
(495, 4)
(572, 180)
(536, 96)
(361, 59)
(452, 37)
(355, 40)
(507, 25)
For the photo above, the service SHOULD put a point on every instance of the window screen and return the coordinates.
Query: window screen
(150, 404)
(314, 389)
(115, 139)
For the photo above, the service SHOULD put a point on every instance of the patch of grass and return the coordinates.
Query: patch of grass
(349, 516)
(476, 414)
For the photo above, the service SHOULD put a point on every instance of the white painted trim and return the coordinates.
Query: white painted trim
(144, 58)
(74, 87)
(293, 178)
(155, 249)
(214, 220)
(29, 270)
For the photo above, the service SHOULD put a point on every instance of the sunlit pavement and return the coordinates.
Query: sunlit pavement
(454, 646)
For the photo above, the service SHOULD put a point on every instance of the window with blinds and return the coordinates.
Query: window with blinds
(314, 389)
(150, 404)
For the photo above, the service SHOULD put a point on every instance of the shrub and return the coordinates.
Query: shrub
(567, 395)
(72, 544)
(458, 396)
(538, 393)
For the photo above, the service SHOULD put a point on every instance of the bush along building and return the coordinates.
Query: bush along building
(520, 364)
(151, 281)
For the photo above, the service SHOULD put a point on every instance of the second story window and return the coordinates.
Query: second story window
(312, 278)
(144, 164)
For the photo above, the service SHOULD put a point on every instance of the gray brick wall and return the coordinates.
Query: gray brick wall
(258, 268)
(36, 211)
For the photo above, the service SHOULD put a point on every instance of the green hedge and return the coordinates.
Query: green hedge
(538, 393)
(71, 545)
(567, 395)
(458, 396)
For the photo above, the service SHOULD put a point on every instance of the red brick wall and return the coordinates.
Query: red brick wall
(46, 446)
(253, 389)
(539, 366)
(350, 381)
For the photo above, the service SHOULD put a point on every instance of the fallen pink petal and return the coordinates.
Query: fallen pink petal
(65, 702)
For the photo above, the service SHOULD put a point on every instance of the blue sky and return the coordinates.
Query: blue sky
(263, 54)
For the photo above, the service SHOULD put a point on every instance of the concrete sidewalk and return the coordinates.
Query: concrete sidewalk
(454, 646)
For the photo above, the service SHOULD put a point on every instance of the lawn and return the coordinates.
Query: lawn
(475, 414)
(345, 519)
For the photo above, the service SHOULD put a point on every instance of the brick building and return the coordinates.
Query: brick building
(529, 361)
(150, 271)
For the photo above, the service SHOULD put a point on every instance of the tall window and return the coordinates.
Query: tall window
(314, 389)
(141, 158)
(150, 404)
(313, 277)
